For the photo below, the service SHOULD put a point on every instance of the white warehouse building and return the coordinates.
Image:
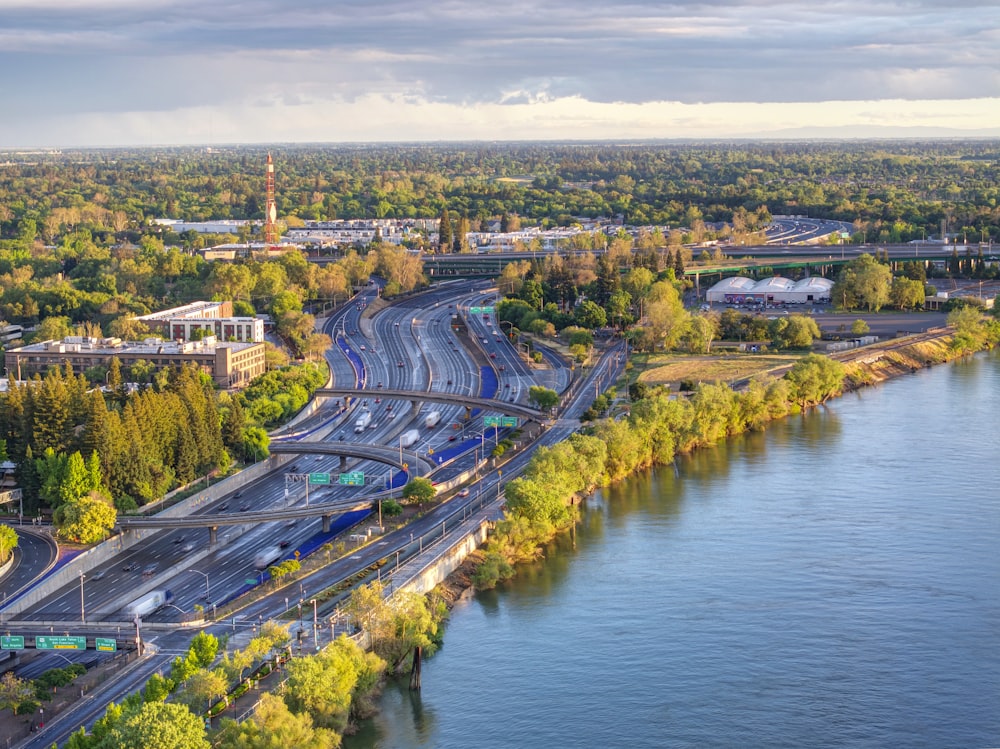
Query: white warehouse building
(774, 290)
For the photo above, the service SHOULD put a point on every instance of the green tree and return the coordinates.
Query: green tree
(8, 542)
(793, 331)
(864, 282)
(444, 232)
(14, 690)
(543, 397)
(815, 379)
(163, 725)
(202, 688)
(274, 726)
(86, 520)
(906, 293)
(859, 327)
(419, 490)
(590, 315)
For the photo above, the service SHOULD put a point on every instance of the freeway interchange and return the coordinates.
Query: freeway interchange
(428, 343)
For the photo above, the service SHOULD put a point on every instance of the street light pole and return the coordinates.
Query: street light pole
(315, 625)
(82, 618)
(208, 592)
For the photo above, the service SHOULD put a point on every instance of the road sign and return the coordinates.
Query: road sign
(353, 478)
(492, 421)
(58, 642)
(249, 581)
(508, 421)
(105, 644)
(319, 478)
(12, 642)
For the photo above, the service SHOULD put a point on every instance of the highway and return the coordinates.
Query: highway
(448, 358)
(368, 350)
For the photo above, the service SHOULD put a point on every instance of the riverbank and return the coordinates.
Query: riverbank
(861, 368)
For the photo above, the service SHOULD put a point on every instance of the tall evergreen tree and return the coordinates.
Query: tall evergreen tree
(444, 231)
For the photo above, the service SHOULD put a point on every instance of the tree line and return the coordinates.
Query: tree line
(894, 191)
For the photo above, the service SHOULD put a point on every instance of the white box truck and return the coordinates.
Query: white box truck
(363, 421)
(432, 419)
(408, 439)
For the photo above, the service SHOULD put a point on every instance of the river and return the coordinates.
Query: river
(833, 581)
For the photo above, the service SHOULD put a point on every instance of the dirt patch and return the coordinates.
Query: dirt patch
(458, 584)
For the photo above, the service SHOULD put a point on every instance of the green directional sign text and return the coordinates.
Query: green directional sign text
(46, 642)
(508, 421)
(12, 642)
(492, 421)
(475, 310)
(105, 644)
(319, 478)
(354, 478)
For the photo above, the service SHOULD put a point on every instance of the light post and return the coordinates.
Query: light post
(208, 592)
(82, 618)
(315, 625)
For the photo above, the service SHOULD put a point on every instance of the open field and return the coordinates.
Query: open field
(664, 369)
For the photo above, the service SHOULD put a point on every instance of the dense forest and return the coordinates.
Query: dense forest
(892, 190)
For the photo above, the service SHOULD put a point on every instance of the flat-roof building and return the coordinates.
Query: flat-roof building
(230, 365)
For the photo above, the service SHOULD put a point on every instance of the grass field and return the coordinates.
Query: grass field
(664, 369)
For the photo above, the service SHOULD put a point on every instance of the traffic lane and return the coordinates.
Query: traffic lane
(36, 552)
(882, 324)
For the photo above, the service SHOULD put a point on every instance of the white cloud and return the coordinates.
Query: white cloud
(451, 61)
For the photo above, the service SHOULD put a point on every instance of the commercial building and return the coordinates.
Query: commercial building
(774, 290)
(214, 318)
(230, 365)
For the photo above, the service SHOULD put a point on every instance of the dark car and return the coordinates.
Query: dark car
(130, 567)
(284, 544)
(244, 507)
(223, 507)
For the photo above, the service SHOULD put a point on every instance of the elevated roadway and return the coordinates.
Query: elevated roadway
(469, 401)
(402, 459)
(324, 510)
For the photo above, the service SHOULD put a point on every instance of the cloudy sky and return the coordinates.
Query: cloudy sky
(150, 72)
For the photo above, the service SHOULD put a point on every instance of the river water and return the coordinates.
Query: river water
(832, 582)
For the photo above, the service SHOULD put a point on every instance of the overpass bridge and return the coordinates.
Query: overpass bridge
(448, 399)
(325, 510)
(407, 460)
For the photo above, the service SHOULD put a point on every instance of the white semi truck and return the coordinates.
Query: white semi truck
(147, 604)
(432, 419)
(267, 557)
(408, 439)
(363, 421)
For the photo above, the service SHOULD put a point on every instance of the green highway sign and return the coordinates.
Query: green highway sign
(480, 310)
(11, 642)
(354, 478)
(319, 478)
(499, 421)
(105, 644)
(45, 642)
(249, 581)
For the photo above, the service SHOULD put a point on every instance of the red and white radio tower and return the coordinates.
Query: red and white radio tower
(271, 210)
